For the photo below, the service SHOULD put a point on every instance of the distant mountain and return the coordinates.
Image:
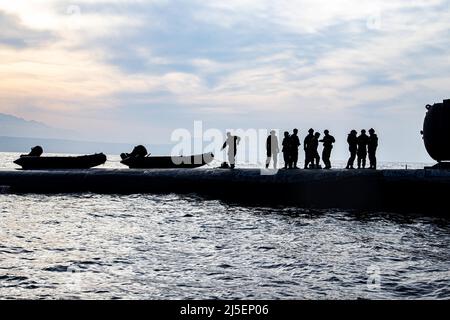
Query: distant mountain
(23, 145)
(17, 127)
(19, 135)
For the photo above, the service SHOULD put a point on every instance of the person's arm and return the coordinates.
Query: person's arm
(224, 145)
(238, 139)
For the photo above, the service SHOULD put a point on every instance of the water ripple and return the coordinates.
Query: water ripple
(175, 247)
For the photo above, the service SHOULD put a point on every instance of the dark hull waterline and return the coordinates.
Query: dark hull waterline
(167, 162)
(409, 191)
(49, 163)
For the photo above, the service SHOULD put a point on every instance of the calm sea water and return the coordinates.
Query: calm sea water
(184, 247)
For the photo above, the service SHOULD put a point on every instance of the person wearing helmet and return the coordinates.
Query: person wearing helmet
(272, 149)
(295, 143)
(314, 145)
(232, 143)
(372, 148)
(327, 141)
(307, 147)
(352, 141)
(363, 140)
(287, 150)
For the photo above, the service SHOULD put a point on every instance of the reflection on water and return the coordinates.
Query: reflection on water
(7, 158)
(170, 246)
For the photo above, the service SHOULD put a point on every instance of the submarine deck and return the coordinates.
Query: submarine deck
(422, 191)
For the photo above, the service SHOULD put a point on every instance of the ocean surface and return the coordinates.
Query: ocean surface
(143, 246)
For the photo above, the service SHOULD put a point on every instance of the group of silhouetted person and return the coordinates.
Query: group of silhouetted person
(359, 146)
(290, 148)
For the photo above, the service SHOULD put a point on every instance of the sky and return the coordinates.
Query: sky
(135, 71)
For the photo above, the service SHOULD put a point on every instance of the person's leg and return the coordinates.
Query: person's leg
(375, 159)
(326, 158)
(349, 162)
(310, 159)
(275, 160)
(372, 159)
(267, 161)
(364, 160)
(329, 158)
(353, 158)
(306, 159)
(231, 159)
(295, 159)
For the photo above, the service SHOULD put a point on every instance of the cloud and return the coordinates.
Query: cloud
(116, 63)
(13, 33)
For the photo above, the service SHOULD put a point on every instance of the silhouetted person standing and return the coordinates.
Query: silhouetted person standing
(327, 141)
(314, 146)
(295, 143)
(232, 143)
(307, 148)
(287, 150)
(363, 141)
(352, 141)
(372, 148)
(272, 149)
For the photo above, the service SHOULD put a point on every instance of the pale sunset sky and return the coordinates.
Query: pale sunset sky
(116, 70)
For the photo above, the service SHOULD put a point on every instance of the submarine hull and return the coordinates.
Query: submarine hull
(409, 191)
(436, 131)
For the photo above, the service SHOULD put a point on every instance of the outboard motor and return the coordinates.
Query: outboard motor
(436, 133)
(139, 152)
(36, 151)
